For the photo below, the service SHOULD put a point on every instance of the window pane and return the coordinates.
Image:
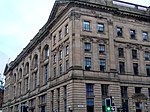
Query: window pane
(86, 25)
(100, 27)
(87, 46)
(89, 90)
(102, 65)
(145, 36)
(132, 34)
(119, 31)
(87, 63)
(101, 48)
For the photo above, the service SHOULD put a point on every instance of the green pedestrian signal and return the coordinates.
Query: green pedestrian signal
(108, 104)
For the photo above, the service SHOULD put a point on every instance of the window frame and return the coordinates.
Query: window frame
(86, 25)
(100, 27)
(145, 35)
(87, 63)
(102, 64)
(119, 31)
(87, 46)
(132, 34)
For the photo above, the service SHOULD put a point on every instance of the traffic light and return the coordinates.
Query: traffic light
(108, 104)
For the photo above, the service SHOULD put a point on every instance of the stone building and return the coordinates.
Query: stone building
(1, 92)
(87, 51)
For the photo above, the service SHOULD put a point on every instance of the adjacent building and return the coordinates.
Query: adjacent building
(1, 93)
(87, 51)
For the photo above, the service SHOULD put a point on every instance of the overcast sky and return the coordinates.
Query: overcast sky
(20, 20)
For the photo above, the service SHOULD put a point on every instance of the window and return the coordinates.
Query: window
(14, 91)
(27, 84)
(104, 89)
(147, 55)
(20, 73)
(60, 69)
(20, 88)
(86, 26)
(132, 34)
(138, 89)
(87, 46)
(101, 48)
(36, 60)
(121, 67)
(121, 52)
(148, 70)
(43, 101)
(102, 63)
(149, 92)
(27, 68)
(15, 77)
(89, 90)
(124, 92)
(134, 54)
(67, 49)
(60, 55)
(135, 68)
(90, 104)
(46, 73)
(46, 52)
(65, 98)
(54, 57)
(60, 34)
(87, 63)
(145, 36)
(35, 79)
(119, 32)
(67, 65)
(66, 29)
(52, 102)
(54, 72)
(58, 100)
(100, 27)
(54, 39)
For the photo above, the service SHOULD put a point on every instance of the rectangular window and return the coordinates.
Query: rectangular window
(54, 57)
(54, 39)
(86, 26)
(87, 63)
(60, 34)
(20, 88)
(46, 73)
(134, 54)
(35, 79)
(148, 70)
(27, 84)
(100, 27)
(121, 67)
(52, 102)
(66, 29)
(90, 104)
(67, 65)
(147, 55)
(101, 48)
(135, 68)
(58, 100)
(121, 52)
(132, 34)
(87, 46)
(67, 49)
(145, 36)
(89, 90)
(119, 32)
(60, 55)
(102, 63)
(54, 72)
(60, 69)
(124, 92)
(104, 89)
(65, 98)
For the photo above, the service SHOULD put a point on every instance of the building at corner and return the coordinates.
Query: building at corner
(87, 51)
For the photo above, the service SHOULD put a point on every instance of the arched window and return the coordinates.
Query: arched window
(27, 68)
(20, 73)
(35, 60)
(46, 52)
(15, 77)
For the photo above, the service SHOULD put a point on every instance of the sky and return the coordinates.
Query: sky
(20, 20)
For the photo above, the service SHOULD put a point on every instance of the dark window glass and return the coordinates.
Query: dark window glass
(52, 102)
(54, 39)
(122, 67)
(60, 55)
(65, 98)
(46, 50)
(55, 58)
(46, 73)
(89, 90)
(27, 83)
(148, 70)
(86, 25)
(67, 49)
(67, 64)
(87, 63)
(104, 89)
(66, 29)
(147, 55)
(35, 79)
(54, 72)
(135, 68)
(27, 68)
(58, 100)
(134, 54)
(132, 34)
(102, 65)
(60, 34)
(120, 52)
(124, 92)
(119, 32)
(125, 105)
(149, 92)
(100, 27)
(87, 46)
(90, 104)
(60, 69)
(145, 36)
(36, 60)
(20, 88)
(138, 89)
(101, 48)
